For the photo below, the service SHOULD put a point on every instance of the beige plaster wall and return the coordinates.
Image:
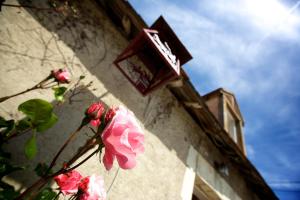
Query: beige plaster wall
(33, 42)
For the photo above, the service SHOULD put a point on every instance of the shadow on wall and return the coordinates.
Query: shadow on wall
(49, 142)
(83, 40)
(94, 42)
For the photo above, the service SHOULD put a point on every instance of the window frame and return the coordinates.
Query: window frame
(229, 110)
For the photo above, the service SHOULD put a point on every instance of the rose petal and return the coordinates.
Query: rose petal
(68, 183)
(92, 188)
(123, 138)
(108, 159)
(126, 161)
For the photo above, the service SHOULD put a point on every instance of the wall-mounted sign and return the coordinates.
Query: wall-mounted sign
(152, 58)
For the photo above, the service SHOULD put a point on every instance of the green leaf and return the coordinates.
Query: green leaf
(46, 194)
(2, 122)
(38, 110)
(42, 169)
(59, 93)
(6, 168)
(8, 194)
(31, 147)
(23, 124)
(39, 115)
(81, 77)
(6, 126)
(48, 124)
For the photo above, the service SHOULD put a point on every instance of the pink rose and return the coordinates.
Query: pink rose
(123, 138)
(92, 188)
(94, 112)
(61, 75)
(68, 183)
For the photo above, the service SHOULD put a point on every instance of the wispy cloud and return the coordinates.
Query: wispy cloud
(283, 160)
(279, 183)
(223, 39)
(252, 48)
(285, 21)
(250, 152)
(286, 185)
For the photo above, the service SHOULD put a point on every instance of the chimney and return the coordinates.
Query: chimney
(225, 108)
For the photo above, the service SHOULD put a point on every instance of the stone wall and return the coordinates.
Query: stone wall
(33, 42)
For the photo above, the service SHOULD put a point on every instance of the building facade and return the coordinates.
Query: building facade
(194, 145)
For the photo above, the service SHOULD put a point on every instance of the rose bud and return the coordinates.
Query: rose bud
(94, 112)
(68, 183)
(109, 115)
(61, 75)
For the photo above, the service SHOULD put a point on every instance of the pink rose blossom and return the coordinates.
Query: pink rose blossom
(61, 75)
(123, 138)
(94, 112)
(92, 188)
(68, 183)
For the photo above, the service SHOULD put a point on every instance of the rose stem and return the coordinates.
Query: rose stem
(56, 197)
(37, 86)
(77, 165)
(71, 137)
(15, 134)
(42, 181)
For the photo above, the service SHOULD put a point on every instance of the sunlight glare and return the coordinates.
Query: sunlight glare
(272, 14)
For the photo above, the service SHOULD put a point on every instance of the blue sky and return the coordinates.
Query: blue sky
(252, 48)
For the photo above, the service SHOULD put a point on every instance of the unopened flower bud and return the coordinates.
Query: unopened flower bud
(94, 112)
(61, 75)
(110, 114)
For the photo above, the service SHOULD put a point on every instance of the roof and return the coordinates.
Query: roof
(197, 108)
(224, 91)
(195, 105)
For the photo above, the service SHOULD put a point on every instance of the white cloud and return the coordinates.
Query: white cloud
(250, 152)
(253, 127)
(263, 16)
(286, 185)
(285, 162)
(235, 44)
(277, 182)
(223, 38)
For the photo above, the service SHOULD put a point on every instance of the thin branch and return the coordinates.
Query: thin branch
(16, 134)
(57, 196)
(42, 181)
(71, 137)
(83, 161)
(59, 50)
(46, 44)
(113, 181)
(77, 89)
(37, 86)
(31, 57)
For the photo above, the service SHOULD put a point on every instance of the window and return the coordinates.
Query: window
(231, 126)
(204, 191)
